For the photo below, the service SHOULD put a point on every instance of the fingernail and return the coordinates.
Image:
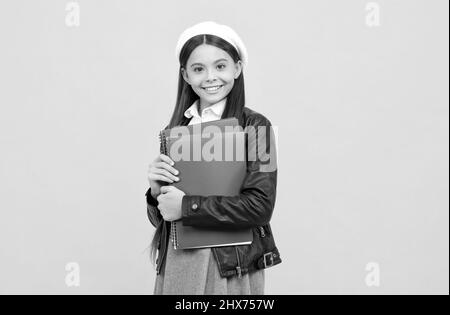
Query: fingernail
(178, 179)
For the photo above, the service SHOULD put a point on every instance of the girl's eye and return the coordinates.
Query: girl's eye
(221, 66)
(197, 68)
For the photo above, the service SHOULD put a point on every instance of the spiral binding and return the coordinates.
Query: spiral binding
(162, 143)
(174, 234)
(173, 226)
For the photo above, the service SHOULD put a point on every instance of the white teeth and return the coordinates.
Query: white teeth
(215, 88)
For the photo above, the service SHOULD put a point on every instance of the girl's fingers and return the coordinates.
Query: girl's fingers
(166, 173)
(166, 159)
(167, 167)
(161, 169)
(161, 177)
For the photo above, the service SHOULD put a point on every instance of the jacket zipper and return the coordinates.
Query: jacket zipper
(238, 267)
(261, 230)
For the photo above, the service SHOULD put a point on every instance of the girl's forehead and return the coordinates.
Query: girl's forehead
(207, 54)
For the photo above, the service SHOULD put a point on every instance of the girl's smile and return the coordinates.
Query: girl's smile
(213, 89)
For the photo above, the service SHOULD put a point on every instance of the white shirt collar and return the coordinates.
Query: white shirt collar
(216, 109)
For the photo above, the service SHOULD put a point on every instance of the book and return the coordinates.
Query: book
(218, 173)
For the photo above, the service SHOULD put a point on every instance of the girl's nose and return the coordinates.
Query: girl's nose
(211, 75)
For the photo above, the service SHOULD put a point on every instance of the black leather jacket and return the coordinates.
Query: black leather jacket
(253, 208)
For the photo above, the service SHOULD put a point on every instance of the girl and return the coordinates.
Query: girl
(211, 87)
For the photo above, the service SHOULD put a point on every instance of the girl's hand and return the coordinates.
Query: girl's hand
(161, 170)
(169, 203)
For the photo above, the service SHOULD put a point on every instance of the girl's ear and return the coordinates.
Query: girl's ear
(185, 76)
(238, 69)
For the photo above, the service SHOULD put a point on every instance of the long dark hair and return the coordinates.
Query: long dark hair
(186, 97)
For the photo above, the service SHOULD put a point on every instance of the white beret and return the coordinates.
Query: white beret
(212, 28)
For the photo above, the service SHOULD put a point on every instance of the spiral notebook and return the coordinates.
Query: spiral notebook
(207, 177)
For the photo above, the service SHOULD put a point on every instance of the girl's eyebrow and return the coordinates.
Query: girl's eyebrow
(218, 60)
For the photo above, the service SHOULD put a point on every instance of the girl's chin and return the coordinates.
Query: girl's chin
(212, 98)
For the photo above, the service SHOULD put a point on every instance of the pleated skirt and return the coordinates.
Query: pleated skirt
(195, 272)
